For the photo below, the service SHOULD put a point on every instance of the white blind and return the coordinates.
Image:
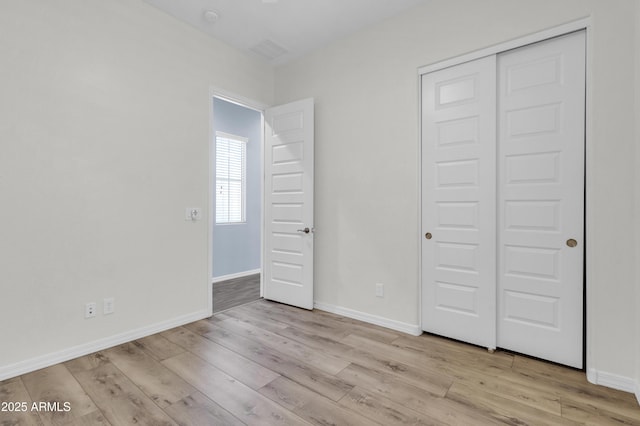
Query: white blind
(231, 176)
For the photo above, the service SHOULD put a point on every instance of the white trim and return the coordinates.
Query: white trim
(33, 364)
(236, 275)
(563, 29)
(614, 381)
(236, 99)
(412, 329)
(220, 134)
(638, 392)
(419, 186)
(211, 199)
(591, 338)
(263, 226)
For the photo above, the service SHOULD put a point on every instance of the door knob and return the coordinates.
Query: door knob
(305, 230)
(571, 242)
(428, 235)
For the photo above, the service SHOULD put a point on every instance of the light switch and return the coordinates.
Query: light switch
(193, 213)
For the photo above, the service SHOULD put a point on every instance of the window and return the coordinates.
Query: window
(231, 172)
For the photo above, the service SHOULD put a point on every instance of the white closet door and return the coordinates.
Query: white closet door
(459, 202)
(541, 199)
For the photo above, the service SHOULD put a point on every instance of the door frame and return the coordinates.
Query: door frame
(577, 25)
(215, 92)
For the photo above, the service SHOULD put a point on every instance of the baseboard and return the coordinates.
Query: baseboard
(236, 275)
(33, 364)
(613, 381)
(414, 330)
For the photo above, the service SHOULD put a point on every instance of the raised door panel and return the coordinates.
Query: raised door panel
(288, 261)
(459, 173)
(541, 199)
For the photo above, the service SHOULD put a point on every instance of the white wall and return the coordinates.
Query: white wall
(637, 215)
(104, 140)
(366, 94)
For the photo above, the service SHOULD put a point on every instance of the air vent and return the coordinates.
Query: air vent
(268, 49)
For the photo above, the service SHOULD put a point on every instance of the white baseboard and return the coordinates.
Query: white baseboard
(613, 381)
(33, 364)
(414, 330)
(236, 275)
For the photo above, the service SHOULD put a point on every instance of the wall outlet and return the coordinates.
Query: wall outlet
(108, 305)
(90, 310)
(379, 290)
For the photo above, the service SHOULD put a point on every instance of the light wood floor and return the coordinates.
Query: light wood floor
(271, 364)
(238, 291)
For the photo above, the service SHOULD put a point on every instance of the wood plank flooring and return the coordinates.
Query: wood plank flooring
(269, 364)
(238, 291)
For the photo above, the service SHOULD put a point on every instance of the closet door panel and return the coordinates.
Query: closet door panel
(459, 174)
(541, 199)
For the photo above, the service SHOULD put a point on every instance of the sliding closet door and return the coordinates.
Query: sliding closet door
(459, 202)
(541, 106)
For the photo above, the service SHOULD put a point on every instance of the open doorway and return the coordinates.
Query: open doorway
(237, 133)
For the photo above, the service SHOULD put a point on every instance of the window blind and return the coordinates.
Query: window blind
(231, 159)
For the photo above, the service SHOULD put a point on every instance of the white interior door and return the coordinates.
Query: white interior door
(541, 199)
(288, 193)
(458, 196)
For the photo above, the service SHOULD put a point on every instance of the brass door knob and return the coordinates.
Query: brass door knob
(428, 235)
(571, 242)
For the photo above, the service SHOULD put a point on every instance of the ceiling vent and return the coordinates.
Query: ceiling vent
(268, 49)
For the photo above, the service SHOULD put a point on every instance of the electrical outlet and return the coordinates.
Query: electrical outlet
(90, 310)
(108, 305)
(379, 290)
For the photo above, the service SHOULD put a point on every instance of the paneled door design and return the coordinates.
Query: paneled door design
(541, 199)
(288, 193)
(503, 200)
(459, 191)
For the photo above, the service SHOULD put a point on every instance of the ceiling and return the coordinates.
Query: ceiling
(278, 31)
